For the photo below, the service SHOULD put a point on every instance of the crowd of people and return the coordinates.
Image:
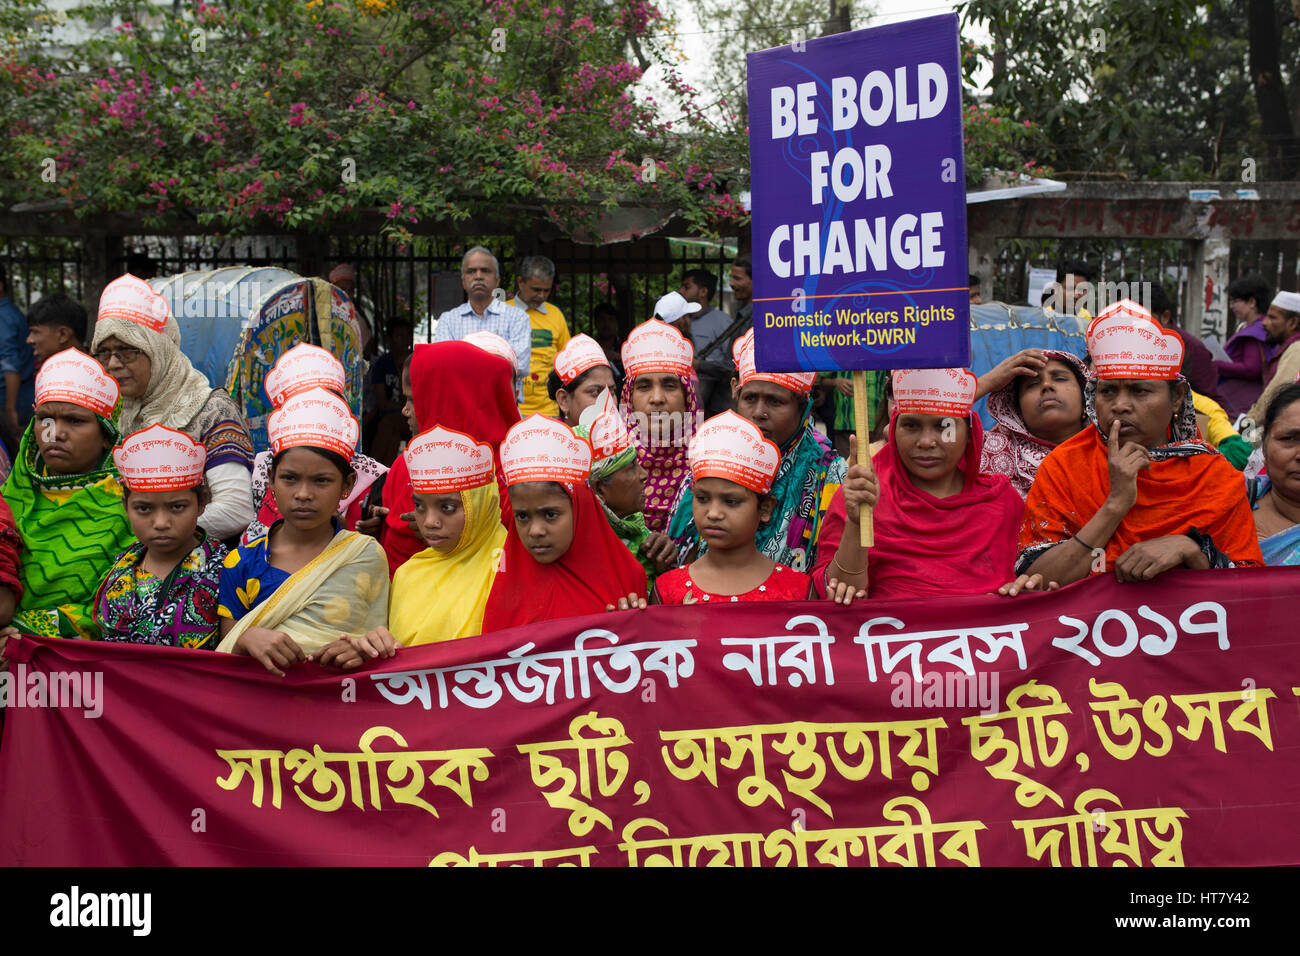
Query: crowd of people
(550, 475)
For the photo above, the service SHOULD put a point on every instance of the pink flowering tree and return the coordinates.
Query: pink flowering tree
(248, 114)
(1000, 142)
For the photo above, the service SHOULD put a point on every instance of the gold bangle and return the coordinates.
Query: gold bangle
(835, 561)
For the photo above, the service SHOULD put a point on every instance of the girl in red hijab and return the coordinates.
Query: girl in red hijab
(562, 559)
(458, 386)
(941, 525)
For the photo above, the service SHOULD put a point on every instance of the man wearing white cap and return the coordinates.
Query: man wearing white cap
(676, 311)
(1282, 328)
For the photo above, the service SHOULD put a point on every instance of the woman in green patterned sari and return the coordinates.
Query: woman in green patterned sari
(66, 498)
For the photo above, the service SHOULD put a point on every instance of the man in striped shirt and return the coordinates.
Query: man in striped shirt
(480, 275)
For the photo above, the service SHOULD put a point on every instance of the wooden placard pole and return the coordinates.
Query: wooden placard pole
(862, 421)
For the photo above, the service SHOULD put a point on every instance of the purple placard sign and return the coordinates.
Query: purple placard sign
(859, 201)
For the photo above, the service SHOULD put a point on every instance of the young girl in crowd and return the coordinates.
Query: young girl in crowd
(561, 558)
(458, 386)
(307, 586)
(732, 467)
(1138, 492)
(941, 525)
(662, 409)
(809, 472)
(163, 589)
(440, 593)
(302, 367)
(66, 498)
(618, 481)
(582, 372)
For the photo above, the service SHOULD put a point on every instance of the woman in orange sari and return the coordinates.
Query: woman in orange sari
(1139, 492)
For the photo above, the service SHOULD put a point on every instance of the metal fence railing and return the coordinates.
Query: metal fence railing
(1115, 261)
(422, 279)
(35, 267)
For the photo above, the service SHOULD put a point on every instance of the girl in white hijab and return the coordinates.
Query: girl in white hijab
(137, 341)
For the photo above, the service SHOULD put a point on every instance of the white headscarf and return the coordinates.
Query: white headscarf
(177, 391)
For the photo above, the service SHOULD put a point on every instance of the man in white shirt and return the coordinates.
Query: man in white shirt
(480, 275)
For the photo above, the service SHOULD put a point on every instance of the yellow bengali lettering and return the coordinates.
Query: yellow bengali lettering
(320, 785)
(909, 839)
(581, 856)
(1077, 833)
(693, 754)
(1032, 737)
(591, 738)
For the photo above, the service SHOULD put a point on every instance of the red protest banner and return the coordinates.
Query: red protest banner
(1098, 725)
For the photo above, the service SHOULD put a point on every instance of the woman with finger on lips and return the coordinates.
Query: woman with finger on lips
(1138, 492)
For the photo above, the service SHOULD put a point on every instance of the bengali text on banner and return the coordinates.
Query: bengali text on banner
(1101, 725)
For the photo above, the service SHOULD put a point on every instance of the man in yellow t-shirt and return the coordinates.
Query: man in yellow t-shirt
(535, 280)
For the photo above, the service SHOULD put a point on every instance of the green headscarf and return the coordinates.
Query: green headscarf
(73, 528)
(632, 532)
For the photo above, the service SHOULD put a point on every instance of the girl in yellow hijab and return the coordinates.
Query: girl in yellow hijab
(440, 593)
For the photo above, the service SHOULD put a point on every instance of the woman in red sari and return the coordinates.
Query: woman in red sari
(1138, 492)
(458, 386)
(562, 559)
(941, 525)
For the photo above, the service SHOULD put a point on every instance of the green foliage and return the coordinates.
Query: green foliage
(293, 114)
(1157, 90)
(998, 140)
